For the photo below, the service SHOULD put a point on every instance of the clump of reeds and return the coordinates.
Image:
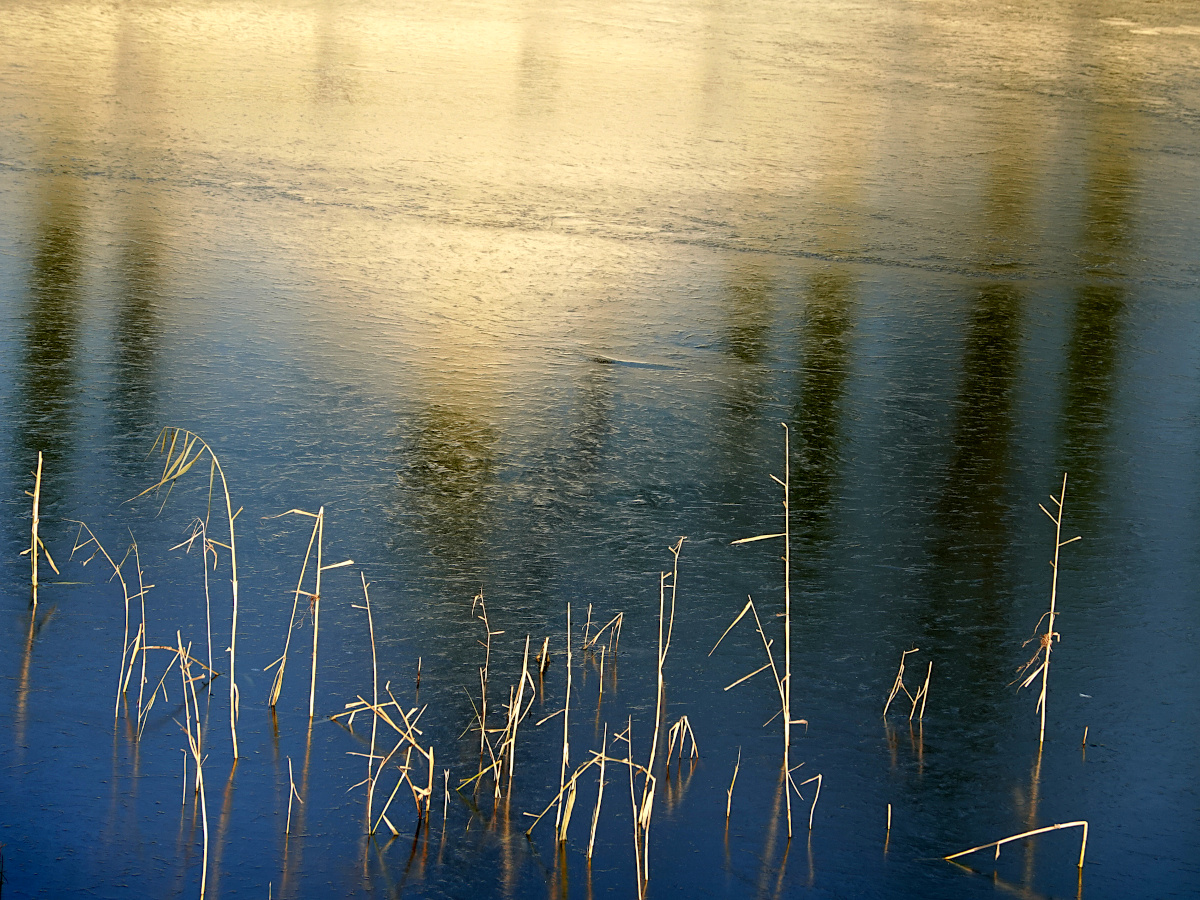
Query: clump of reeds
(612, 626)
(783, 684)
(183, 450)
(1024, 834)
(314, 606)
(681, 731)
(497, 757)
(922, 694)
(404, 724)
(1040, 661)
(35, 541)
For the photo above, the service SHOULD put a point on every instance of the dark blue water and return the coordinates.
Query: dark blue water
(520, 294)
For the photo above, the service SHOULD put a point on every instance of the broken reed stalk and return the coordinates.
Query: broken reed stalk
(287, 829)
(817, 796)
(919, 697)
(613, 627)
(732, 781)
(1024, 834)
(898, 686)
(922, 695)
(35, 542)
(176, 465)
(408, 733)
(1045, 641)
(679, 731)
(317, 538)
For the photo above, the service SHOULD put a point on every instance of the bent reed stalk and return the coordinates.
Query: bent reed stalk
(1024, 834)
(175, 466)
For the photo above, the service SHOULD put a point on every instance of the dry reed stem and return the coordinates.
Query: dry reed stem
(318, 537)
(287, 829)
(922, 695)
(637, 841)
(817, 796)
(174, 467)
(681, 730)
(445, 798)
(122, 678)
(35, 542)
(597, 759)
(277, 681)
(194, 746)
(732, 781)
(898, 685)
(142, 588)
(408, 732)
(784, 683)
(599, 794)
(200, 530)
(484, 744)
(666, 628)
(566, 750)
(613, 627)
(1046, 640)
(374, 694)
(1024, 834)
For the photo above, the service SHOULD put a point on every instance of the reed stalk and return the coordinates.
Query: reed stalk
(613, 627)
(35, 541)
(1040, 662)
(566, 749)
(195, 745)
(732, 781)
(292, 792)
(599, 794)
(318, 539)
(680, 731)
(122, 677)
(374, 696)
(784, 683)
(200, 530)
(194, 449)
(1024, 834)
(919, 697)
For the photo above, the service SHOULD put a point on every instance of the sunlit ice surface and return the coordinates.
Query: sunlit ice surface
(520, 294)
